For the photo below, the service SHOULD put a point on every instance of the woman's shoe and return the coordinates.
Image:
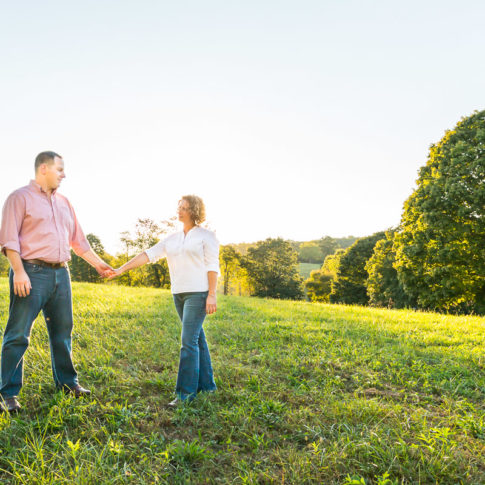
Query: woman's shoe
(175, 403)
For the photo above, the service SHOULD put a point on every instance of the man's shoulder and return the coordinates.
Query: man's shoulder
(62, 197)
(63, 200)
(20, 193)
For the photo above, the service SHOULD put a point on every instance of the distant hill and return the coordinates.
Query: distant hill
(313, 252)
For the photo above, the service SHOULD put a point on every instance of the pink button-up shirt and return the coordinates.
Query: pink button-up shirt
(41, 227)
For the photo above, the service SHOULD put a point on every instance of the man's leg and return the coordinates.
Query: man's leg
(59, 321)
(22, 313)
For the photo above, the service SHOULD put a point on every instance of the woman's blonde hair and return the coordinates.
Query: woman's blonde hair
(196, 208)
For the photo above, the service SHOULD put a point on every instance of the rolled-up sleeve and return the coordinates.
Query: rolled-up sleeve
(156, 252)
(211, 252)
(12, 217)
(79, 243)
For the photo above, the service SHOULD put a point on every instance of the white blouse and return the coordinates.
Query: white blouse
(189, 258)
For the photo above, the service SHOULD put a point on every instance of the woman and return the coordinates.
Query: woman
(193, 261)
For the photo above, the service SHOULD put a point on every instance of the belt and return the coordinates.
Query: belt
(45, 263)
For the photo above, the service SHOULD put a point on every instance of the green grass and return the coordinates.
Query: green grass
(306, 268)
(308, 393)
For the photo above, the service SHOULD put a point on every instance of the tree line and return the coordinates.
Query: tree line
(435, 258)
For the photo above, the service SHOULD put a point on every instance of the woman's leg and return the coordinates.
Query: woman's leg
(206, 374)
(193, 314)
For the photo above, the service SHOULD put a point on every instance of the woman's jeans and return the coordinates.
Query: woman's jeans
(51, 293)
(195, 368)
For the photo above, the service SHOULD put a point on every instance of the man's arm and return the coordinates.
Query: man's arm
(80, 245)
(99, 265)
(21, 281)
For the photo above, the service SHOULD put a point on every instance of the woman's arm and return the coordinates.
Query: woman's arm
(133, 263)
(211, 259)
(211, 302)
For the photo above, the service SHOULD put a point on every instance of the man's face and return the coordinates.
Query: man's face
(55, 173)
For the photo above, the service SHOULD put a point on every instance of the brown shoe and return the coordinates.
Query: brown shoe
(9, 404)
(77, 390)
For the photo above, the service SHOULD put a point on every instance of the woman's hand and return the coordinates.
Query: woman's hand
(211, 304)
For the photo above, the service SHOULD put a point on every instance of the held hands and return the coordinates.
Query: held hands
(211, 305)
(104, 269)
(114, 273)
(21, 283)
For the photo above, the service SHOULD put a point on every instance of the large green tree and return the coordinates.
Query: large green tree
(440, 249)
(383, 285)
(350, 283)
(272, 267)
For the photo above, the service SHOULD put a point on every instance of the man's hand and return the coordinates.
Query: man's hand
(104, 269)
(210, 305)
(21, 283)
(115, 273)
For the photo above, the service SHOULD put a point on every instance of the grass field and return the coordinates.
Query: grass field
(306, 268)
(308, 393)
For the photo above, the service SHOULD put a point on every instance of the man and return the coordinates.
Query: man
(38, 229)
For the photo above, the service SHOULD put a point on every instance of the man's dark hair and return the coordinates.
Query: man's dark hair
(45, 157)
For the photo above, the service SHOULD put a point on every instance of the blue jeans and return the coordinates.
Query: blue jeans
(195, 369)
(51, 293)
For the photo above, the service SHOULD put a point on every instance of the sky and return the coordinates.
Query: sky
(293, 119)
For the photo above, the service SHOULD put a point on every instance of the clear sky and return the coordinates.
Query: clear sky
(296, 119)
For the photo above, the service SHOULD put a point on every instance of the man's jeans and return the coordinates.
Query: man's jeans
(51, 292)
(195, 368)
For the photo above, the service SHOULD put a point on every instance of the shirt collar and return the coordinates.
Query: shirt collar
(38, 188)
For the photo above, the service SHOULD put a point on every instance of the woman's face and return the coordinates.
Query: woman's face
(183, 211)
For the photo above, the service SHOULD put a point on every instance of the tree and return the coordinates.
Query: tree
(272, 268)
(82, 271)
(147, 233)
(332, 262)
(229, 260)
(234, 280)
(310, 252)
(328, 246)
(440, 248)
(350, 283)
(319, 285)
(383, 286)
(345, 242)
